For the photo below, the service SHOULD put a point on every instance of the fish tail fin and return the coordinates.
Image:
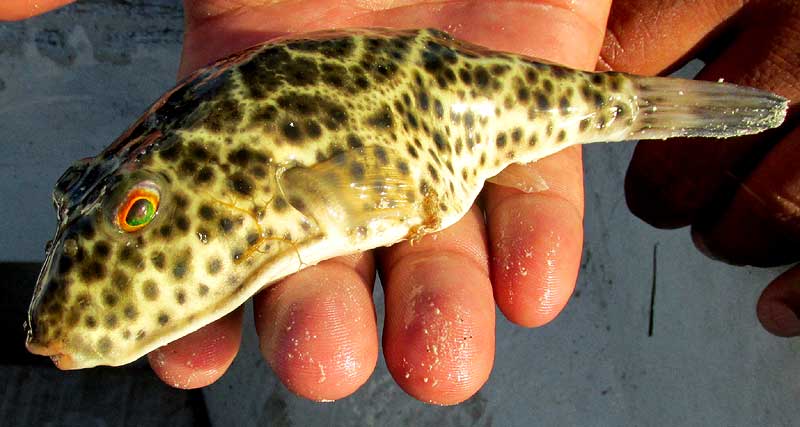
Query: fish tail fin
(671, 107)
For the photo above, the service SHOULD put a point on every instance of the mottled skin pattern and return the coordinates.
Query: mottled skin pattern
(288, 154)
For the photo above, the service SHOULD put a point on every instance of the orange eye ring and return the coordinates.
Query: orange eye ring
(138, 209)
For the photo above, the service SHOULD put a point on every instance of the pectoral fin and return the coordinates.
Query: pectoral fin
(357, 192)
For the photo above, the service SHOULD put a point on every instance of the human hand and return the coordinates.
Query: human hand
(11, 10)
(317, 328)
(742, 198)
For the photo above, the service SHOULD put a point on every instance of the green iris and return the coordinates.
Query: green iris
(141, 212)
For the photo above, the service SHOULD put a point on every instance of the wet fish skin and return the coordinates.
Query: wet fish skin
(303, 149)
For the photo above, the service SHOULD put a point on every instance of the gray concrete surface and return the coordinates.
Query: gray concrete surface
(71, 81)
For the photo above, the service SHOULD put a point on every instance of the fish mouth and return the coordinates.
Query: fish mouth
(54, 351)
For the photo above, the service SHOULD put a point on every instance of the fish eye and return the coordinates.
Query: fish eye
(138, 208)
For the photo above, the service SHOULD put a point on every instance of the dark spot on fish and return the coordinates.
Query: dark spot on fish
(412, 151)
(598, 99)
(423, 101)
(252, 239)
(523, 95)
(198, 152)
(481, 77)
(412, 120)
(434, 174)
(440, 142)
(333, 48)
(601, 121)
(614, 83)
(516, 135)
(438, 108)
(165, 230)
(119, 280)
(179, 269)
(260, 72)
(206, 212)
(465, 76)
(223, 115)
(111, 320)
(380, 154)
(542, 102)
(214, 265)
(241, 184)
(531, 76)
(280, 204)
(225, 225)
(313, 129)
(180, 296)
(104, 345)
(130, 312)
(102, 249)
(432, 62)
(150, 290)
(110, 299)
(298, 203)
(65, 264)
(292, 131)
(92, 271)
(424, 188)
(357, 171)
(353, 141)
(85, 229)
(240, 157)
(90, 322)
(402, 166)
(171, 152)
(563, 105)
(182, 223)
(501, 140)
(205, 175)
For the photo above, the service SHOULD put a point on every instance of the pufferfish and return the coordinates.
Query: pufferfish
(306, 148)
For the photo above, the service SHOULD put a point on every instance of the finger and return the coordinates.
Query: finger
(12, 10)
(761, 225)
(438, 337)
(651, 36)
(536, 241)
(317, 328)
(503, 25)
(674, 183)
(779, 306)
(200, 358)
(536, 238)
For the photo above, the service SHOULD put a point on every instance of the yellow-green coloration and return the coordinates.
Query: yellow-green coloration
(300, 150)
